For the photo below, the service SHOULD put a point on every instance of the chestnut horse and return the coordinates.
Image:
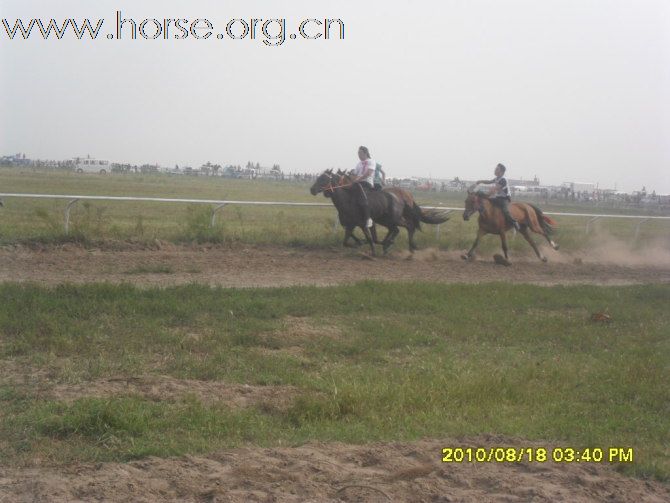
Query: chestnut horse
(492, 221)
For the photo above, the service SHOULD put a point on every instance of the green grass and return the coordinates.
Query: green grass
(37, 220)
(371, 361)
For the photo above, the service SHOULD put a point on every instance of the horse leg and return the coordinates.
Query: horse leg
(388, 238)
(551, 242)
(368, 237)
(471, 253)
(349, 234)
(538, 229)
(503, 241)
(357, 241)
(388, 241)
(373, 232)
(527, 237)
(410, 236)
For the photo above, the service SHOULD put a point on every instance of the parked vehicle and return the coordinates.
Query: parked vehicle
(91, 165)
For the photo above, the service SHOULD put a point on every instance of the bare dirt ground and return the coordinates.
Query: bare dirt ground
(330, 472)
(166, 264)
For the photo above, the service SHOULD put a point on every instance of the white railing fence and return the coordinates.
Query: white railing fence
(220, 204)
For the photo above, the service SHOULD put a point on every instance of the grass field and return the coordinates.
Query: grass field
(25, 220)
(371, 361)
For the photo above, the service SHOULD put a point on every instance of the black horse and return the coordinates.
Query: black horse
(413, 215)
(386, 209)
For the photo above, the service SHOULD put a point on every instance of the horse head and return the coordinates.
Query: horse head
(323, 183)
(346, 178)
(472, 204)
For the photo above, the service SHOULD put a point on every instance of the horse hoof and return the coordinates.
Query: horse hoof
(468, 258)
(544, 259)
(500, 260)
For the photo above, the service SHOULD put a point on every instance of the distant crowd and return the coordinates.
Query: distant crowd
(253, 171)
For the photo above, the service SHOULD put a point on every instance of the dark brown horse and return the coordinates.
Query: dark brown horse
(385, 208)
(492, 221)
(412, 215)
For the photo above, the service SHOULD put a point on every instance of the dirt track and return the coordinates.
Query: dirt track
(168, 264)
(331, 472)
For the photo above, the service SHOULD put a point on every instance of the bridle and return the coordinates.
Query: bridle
(477, 206)
(331, 188)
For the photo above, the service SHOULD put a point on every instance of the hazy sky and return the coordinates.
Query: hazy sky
(568, 90)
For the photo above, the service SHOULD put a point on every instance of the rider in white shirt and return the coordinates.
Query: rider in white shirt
(365, 173)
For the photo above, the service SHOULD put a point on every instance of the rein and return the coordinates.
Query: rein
(332, 187)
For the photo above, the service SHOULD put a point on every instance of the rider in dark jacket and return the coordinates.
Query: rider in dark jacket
(499, 195)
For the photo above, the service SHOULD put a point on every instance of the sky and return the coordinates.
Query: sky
(565, 90)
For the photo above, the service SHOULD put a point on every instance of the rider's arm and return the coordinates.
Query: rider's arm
(485, 182)
(358, 178)
(370, 168)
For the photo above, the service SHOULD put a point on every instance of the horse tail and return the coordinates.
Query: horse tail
(433, 217)
(548, 224)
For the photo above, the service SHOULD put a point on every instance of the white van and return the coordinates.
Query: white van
(90, 165)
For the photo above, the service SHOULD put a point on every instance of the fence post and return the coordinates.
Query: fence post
(214, 211)
(67, 215)
(589, 222)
